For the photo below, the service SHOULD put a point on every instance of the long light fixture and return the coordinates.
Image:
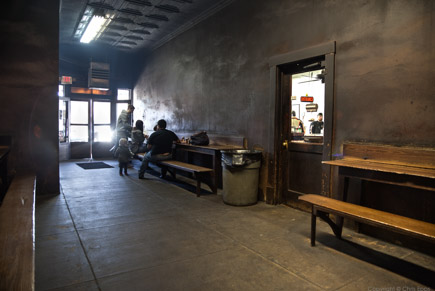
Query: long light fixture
(95, 27)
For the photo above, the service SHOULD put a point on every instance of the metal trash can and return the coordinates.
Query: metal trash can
(240, 174)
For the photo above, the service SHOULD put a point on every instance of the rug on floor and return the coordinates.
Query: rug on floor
(93, 165)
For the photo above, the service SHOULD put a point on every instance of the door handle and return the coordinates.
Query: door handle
(285, 144)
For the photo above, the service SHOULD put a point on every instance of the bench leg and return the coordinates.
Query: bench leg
(313, 227)
(173, 173)
(164, 171)
(198, 184)
(336, 227)
(198, 188)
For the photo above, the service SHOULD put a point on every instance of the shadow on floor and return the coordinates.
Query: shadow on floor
(181, 180)
(393, 264)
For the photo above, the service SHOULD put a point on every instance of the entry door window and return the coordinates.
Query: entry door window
(307, 106)
(79, 121)
(102, 131)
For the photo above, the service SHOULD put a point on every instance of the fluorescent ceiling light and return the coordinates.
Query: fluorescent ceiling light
(95, 27)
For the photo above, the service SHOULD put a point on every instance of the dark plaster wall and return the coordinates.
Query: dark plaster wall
(28, 88)
(215, 77)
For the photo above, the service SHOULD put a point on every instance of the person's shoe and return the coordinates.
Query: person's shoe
(121, 174)
(141, 176)
(125, 173)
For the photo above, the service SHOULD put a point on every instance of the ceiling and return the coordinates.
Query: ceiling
(136, 24)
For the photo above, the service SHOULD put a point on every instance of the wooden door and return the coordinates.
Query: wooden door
(299, 168)
(302, 163)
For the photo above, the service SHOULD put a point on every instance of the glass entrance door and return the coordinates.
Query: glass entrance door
(101, 132)
(80, 130)
(90, 134)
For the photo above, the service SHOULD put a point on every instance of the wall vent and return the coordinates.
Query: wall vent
(98, 77)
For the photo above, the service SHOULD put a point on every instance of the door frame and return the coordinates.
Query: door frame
(276, 64)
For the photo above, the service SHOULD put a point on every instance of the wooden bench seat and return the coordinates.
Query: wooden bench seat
(198, 171)
(322, 206)
(17, 235)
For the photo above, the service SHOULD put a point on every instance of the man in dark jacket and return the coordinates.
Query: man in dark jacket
(159, 146)
(317, 126)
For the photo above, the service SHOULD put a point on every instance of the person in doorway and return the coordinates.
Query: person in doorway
(124, 156)
(317, 126)
(296, 123)
(159, 147)
(123, 126)
(137, 138)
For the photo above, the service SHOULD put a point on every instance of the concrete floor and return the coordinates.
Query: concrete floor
(106, 232)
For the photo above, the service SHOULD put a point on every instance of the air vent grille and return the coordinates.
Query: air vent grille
(99, 75)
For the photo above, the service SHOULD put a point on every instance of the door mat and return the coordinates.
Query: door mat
(93, 165)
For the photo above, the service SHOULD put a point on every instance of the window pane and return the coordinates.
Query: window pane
(79, 112)
(123, 94)
(101, 112)
(102, 133)
(61, 91)
(306, 119)
(63, 132)
(119, 108)
(79, 133)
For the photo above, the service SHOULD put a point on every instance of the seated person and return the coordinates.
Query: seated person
(137, 138)
(159, 146)
(317, 126)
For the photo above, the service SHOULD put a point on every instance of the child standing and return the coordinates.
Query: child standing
(124, 155)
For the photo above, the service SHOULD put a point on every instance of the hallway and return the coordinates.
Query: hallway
(106, 232)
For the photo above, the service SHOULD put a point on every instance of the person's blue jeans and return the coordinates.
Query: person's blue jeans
(152, 158)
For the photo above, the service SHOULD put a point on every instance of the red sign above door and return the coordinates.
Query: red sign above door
(307, 99)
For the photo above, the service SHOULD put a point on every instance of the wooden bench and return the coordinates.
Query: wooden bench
(17, 235)
(202, 161)
(323, 206)
(198, 171)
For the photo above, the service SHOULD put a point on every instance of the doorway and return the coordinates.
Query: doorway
(300, 150)
(90, 128)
